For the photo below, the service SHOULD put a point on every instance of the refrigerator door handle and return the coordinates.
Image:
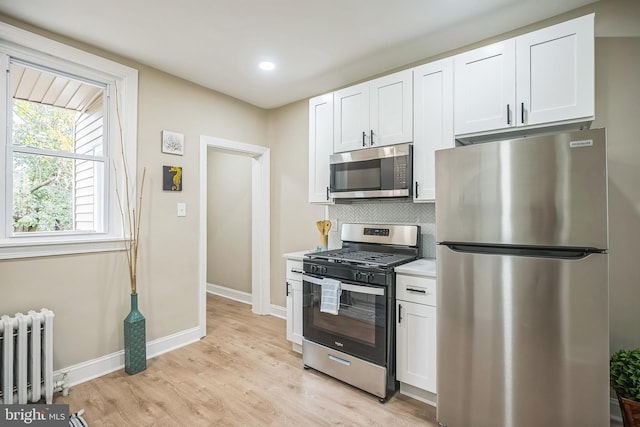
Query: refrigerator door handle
(527, 251)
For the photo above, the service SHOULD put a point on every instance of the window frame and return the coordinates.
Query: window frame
(122, 87)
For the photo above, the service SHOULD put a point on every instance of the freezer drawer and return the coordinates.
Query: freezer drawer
(522, 341)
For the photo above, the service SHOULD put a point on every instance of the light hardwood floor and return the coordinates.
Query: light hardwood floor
(243, 373)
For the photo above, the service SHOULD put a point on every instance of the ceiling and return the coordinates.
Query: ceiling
(317, 46)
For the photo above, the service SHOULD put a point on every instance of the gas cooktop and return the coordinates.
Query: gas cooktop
(365, 257)
(373, 245)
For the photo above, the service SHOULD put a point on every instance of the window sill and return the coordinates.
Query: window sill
(32, 248)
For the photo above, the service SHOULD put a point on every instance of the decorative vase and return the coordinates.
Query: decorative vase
(630, 410)
(135, 342)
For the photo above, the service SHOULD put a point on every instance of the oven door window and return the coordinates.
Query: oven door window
(358, 329)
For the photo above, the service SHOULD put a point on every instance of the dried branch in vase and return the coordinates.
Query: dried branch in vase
(130, 212)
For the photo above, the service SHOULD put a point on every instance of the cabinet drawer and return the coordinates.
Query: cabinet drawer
(294, 270)
(421, 290)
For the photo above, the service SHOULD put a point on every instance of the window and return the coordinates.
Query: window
(57, 152)
(68, 115)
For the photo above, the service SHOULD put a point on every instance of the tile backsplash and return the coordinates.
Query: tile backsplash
(386, 212)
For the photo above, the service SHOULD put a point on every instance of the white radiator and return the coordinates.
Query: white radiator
(26, 357)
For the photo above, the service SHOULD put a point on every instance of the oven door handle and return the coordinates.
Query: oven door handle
(369, 290)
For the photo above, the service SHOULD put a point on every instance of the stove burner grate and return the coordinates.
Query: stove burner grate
(363, 257)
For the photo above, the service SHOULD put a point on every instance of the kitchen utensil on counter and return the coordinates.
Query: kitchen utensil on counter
(323, 227)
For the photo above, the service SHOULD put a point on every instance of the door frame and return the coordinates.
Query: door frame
(260, 223)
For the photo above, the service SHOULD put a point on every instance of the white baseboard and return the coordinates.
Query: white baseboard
(244, 297)
(418, 394)
(85, 371)
(278, 311)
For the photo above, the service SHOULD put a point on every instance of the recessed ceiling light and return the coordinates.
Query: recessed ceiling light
(266, 65)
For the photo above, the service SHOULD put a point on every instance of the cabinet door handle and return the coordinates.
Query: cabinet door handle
(287, 288)
(522, 112)
(399, 313)
(416, 195)
(508, 115)
(371, 143)
(327, 193)
(420, 291)
(364, 135)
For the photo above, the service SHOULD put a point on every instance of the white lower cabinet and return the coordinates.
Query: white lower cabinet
(294, 311)
(294, 303)
(416, 332)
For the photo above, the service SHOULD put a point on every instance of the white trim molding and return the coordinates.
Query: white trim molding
(40, 248)
(279, 311)
(85, 371)
(232, 294)
(243, 297)
(122, 96)
(260, 223)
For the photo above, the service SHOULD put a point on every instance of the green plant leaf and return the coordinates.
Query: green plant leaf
(624, 373)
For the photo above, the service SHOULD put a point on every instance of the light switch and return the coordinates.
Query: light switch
(182, 209)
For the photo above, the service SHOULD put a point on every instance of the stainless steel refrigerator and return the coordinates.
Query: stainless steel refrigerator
(522, 285)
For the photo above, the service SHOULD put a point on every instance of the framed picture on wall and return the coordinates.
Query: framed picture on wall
(172, 178)
(172, 142)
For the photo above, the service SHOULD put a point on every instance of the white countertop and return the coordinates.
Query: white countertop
(297, 256)
(420, 267)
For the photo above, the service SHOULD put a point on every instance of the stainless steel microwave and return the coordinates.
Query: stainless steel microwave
(372, 173)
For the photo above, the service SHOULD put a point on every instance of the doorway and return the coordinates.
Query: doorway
(260, 221)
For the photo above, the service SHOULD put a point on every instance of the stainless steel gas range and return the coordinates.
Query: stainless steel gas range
(349, 305)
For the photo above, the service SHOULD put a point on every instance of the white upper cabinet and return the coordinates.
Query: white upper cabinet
(485, 88)
(555, 69)
(391, 109)
(374, 113)
(320, 147)
(351, 118)
(538, 79)
(433, 123)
